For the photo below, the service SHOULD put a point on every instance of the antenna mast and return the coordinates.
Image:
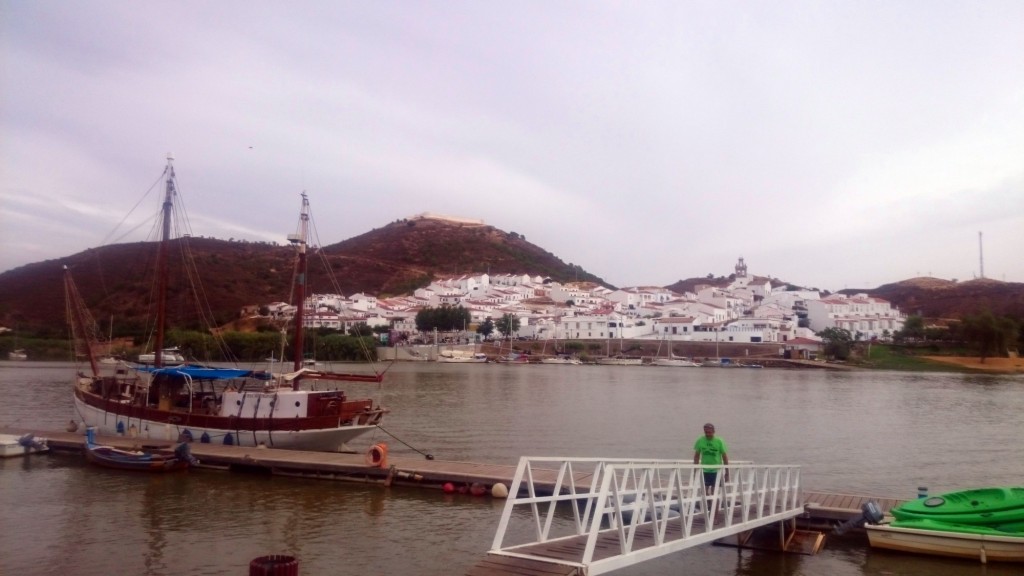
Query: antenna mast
(981, 257)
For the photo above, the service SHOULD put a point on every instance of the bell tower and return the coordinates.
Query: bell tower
(741, 268)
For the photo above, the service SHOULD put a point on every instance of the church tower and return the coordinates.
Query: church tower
(741, 268)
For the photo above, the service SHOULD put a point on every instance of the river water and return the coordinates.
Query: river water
(875, 433)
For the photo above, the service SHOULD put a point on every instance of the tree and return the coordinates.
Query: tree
(913, 328)
(508, 324)
(360, 329)
(838, 342)
(446, 318)
(989, 334)
(486, 328)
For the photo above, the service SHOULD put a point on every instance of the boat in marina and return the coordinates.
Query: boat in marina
(217, 405)
(452, 357)
(18, 354)
(620, 361)
(12, 445)
(672, 360)
(170, 355)
(137, 460)
(985, 524)
(562, 359)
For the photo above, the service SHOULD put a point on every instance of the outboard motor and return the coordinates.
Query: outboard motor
(183, 452)
(871, 513)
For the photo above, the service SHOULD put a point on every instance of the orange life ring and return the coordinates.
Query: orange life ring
(377, 455)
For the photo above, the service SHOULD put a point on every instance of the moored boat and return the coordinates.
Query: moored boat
(620, 361)
(561, 359)
(983, 523)
(11, 445)
(675, 362)
(170, 355)
(943, 539)
(217, 405)
(137, 460)
(18, 354)
(456, 358)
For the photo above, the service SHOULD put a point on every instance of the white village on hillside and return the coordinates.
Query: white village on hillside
(748, 310)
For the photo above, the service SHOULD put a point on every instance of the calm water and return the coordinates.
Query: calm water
(870, 433)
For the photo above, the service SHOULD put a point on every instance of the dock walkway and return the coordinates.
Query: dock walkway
(550, 482)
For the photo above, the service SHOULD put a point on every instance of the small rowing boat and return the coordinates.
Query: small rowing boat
(985, 523)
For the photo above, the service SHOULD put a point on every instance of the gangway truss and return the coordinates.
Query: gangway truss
(599, 515)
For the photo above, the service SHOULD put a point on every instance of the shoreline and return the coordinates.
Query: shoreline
(990, 366)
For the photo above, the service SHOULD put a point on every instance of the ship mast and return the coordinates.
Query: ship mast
(161, 306)
(79, 321)
(300, 242)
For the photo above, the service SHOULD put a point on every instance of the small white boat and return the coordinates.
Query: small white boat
(620, 361)
(168, 356)
(561, 359)
(982, 547)
(676, 362)
(18, 354)
(11, 445)
(454, 358)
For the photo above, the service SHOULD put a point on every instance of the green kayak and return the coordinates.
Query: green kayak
(981, 507)
(1013, 530)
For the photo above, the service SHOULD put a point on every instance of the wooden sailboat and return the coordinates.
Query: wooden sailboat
(218, 405)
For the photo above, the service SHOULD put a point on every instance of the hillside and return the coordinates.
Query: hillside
(936, 298)
(117, 280)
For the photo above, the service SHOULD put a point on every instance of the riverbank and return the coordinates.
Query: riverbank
(990, 365)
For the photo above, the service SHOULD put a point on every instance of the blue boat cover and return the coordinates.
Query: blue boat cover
(198, 372)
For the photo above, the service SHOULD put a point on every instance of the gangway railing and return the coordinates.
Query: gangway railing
(603, 514)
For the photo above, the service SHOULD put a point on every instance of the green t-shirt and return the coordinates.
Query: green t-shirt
(710, 451)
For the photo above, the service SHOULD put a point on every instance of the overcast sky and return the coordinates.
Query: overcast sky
(831, 144)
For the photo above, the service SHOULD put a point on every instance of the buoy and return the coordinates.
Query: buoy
(499, 490)
(377, 455)
(477, 489)
(448, 488)
(274, 565)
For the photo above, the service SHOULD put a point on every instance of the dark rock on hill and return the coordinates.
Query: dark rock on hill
(117, 281)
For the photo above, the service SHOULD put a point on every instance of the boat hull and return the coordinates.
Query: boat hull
(620, 361)
(674, 362)
(320, 439)
(11, 445)
(108, 457)
(982, 547)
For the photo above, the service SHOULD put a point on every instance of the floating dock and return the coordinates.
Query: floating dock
(823, 507)
(820, 510)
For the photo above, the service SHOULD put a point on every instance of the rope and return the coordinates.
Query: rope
(384, 430)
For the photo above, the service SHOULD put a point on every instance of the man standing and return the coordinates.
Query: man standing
(710, 451)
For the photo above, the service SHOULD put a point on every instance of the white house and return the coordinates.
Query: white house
(860, 313)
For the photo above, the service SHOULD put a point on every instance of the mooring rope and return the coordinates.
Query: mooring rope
(384, 430)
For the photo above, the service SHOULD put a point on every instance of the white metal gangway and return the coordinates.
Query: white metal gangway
(599, 515)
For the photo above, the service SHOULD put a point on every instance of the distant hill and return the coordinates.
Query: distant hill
(937, 298)
(117, 280)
